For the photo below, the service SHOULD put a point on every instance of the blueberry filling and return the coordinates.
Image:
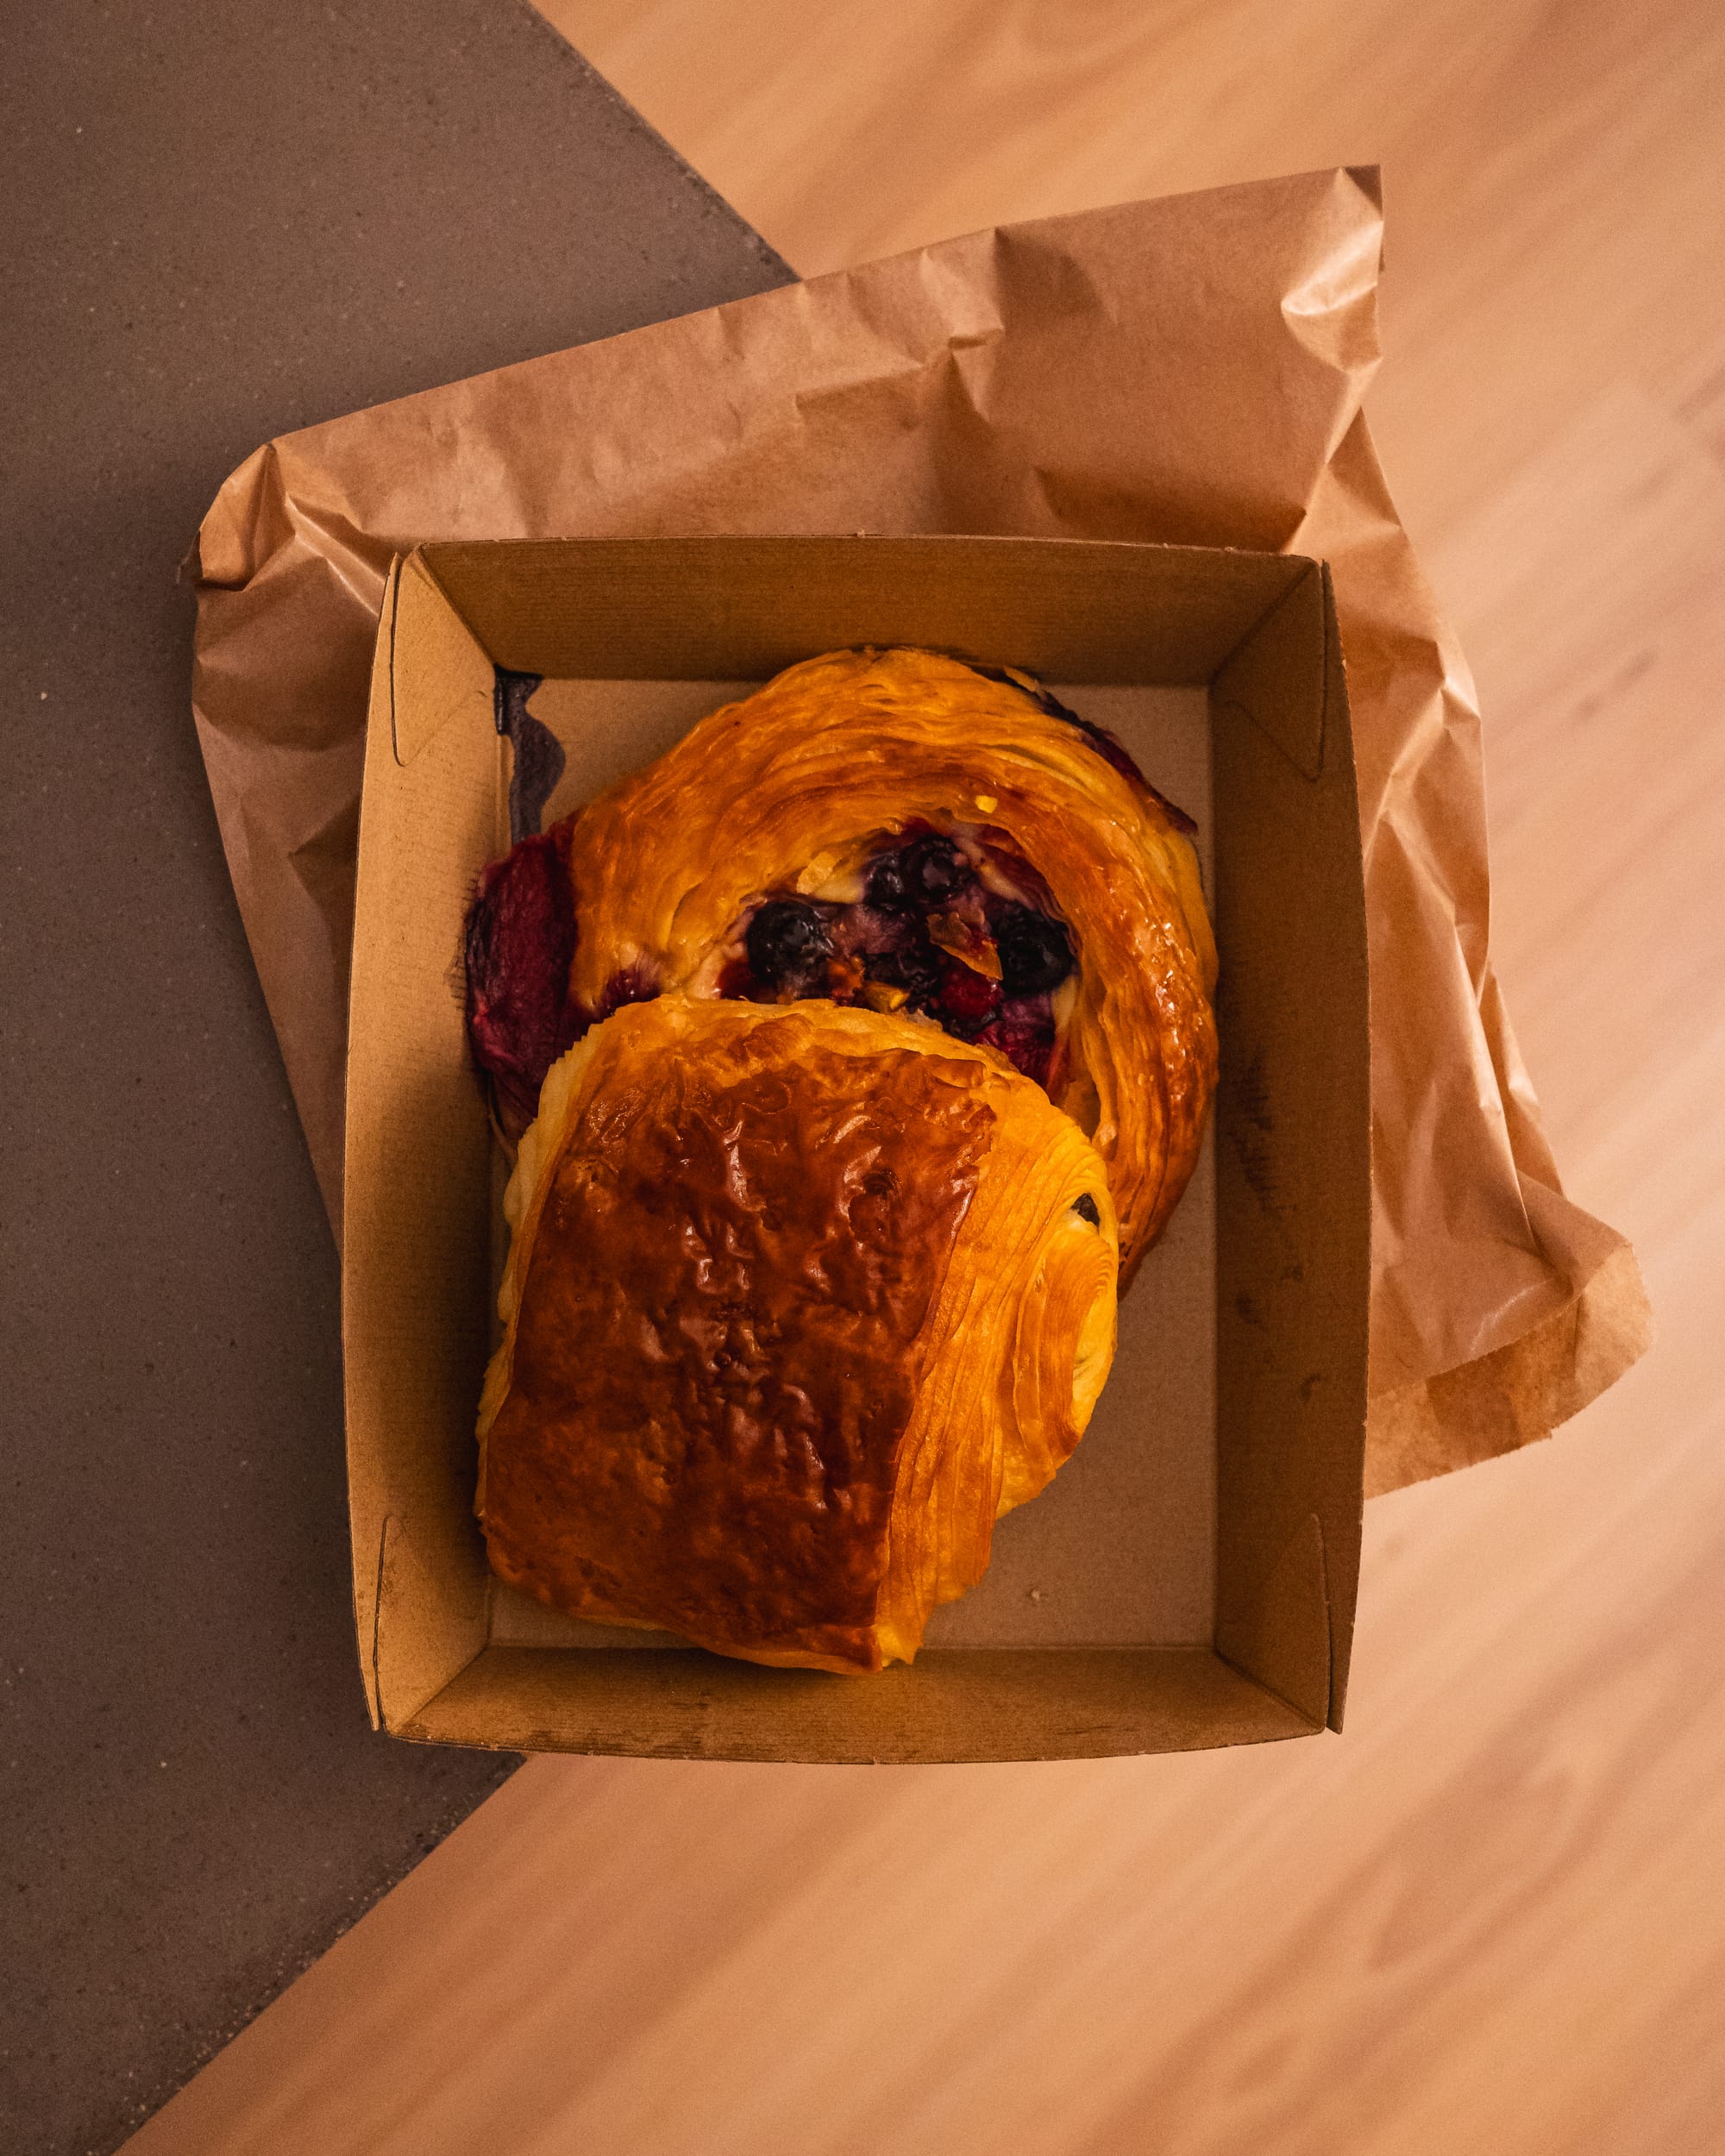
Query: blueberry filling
(1036, 952)
(917, 970)
(787, 945)
(1086, 1208)
(927, 872)
(929, 936)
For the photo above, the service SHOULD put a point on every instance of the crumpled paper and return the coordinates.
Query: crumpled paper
(1183, 370)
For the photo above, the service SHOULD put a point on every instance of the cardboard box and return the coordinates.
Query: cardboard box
(1189, 1578)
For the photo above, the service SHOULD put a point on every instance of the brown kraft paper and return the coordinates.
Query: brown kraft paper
(1186, 370)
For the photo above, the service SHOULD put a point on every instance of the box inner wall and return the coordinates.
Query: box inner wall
(1120, 1550)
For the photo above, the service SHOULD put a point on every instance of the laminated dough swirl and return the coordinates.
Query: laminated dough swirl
(893, 832)
(798, 1302)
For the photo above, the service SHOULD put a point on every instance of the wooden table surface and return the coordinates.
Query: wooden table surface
(1491, 1917)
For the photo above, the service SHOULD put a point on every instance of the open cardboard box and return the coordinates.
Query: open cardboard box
(1189, 1578)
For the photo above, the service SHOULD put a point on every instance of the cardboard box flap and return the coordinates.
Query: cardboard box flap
(1068, 609)
(424, 640)
(415, 1236)
(1275, 1623)
(1293, 1156)
(1272, 680)
(951, 1708)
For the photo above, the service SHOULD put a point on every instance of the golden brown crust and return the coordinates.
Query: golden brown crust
(792, 1313)
(771, 792)
(715, 1360)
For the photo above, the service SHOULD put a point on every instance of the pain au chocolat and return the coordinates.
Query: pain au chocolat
(892, 833)
(800, 1300)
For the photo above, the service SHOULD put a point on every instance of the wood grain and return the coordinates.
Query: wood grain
(1492, 1917)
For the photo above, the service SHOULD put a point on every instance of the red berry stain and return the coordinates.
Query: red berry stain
(519, 945)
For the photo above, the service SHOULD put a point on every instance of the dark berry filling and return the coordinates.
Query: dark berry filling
(965, 999)
(918, 969)
(1036, 952)
(928, 872)
(929, 936)
(518, 945)
(1022, 1028)
(787, 946)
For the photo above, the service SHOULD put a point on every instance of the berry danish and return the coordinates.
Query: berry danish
(896, 833)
